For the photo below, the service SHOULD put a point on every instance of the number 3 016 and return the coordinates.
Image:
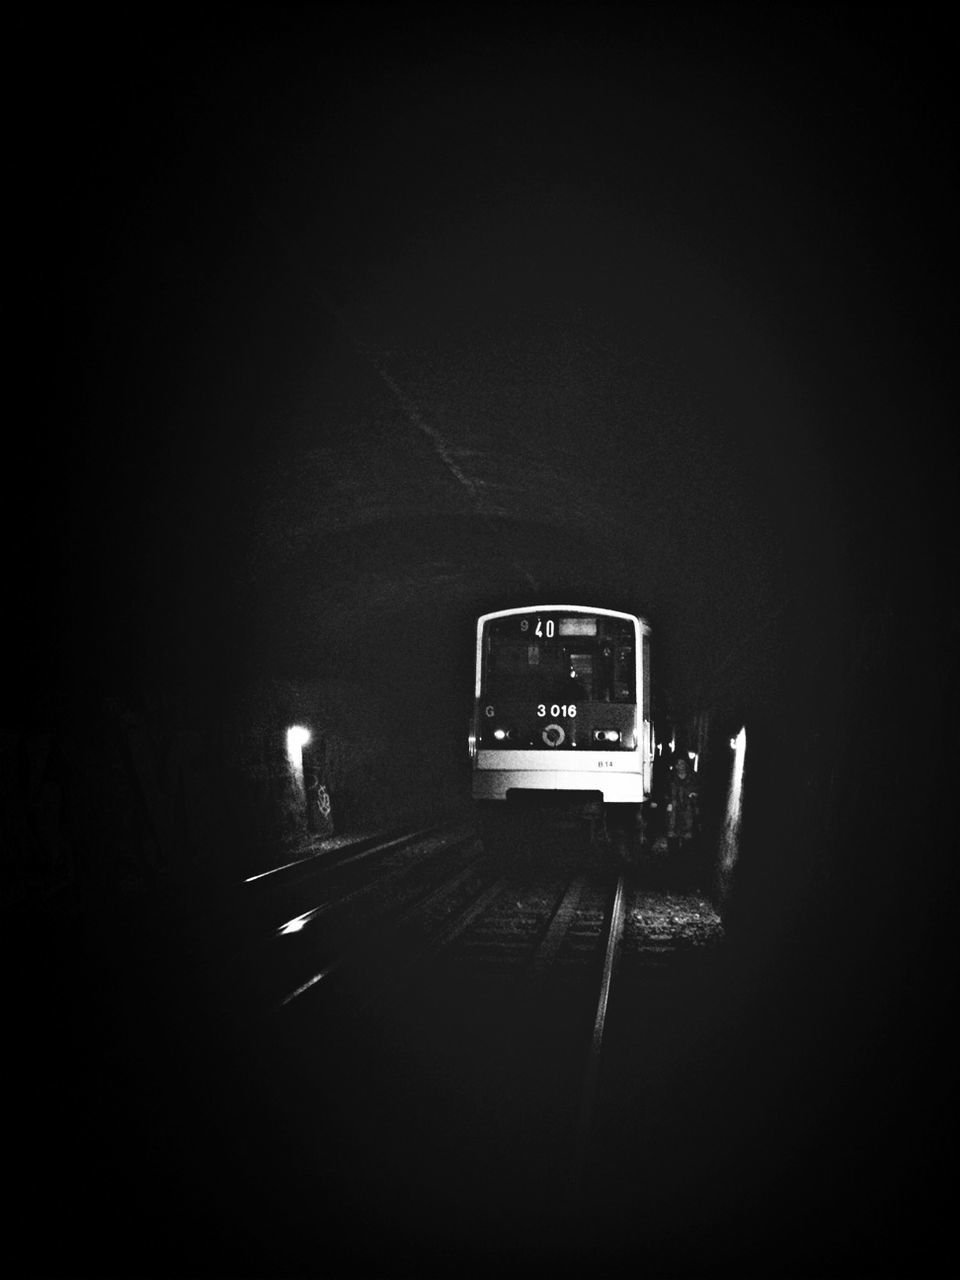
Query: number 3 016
(565, 709)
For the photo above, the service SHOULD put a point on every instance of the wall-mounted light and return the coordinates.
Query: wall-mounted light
(297, 739)
(731, 827)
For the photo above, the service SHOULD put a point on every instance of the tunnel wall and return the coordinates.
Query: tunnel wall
(112, 794)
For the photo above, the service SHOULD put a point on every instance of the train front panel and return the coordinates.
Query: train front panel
(562, 703)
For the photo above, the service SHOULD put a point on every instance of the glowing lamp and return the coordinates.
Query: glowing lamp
(297, 738)
(607, 735)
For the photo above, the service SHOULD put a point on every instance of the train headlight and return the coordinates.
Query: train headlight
(606, 735)
(500, 734)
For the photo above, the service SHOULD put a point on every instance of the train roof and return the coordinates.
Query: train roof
(565, 608)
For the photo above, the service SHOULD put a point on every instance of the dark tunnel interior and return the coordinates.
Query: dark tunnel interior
(350, 324)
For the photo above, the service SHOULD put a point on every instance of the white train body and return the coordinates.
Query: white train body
(562, 704)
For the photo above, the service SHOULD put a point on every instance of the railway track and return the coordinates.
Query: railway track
(267, 939)
(469, 1014)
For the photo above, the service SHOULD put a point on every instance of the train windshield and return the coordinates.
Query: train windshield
(560, 657)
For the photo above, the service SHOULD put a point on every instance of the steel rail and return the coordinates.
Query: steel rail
(258, 934)
(341, 855)
(299, 922)
(432, 946)
(259, 964)
(239, 915)
(592, 1076)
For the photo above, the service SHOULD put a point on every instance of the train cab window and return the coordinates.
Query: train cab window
(568, 658)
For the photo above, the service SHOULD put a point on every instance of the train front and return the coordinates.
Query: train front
(562, 706)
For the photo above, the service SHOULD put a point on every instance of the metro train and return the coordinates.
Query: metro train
(562, 713)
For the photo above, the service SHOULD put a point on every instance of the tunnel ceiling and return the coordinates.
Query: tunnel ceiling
(463, 489)
(405, 320)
